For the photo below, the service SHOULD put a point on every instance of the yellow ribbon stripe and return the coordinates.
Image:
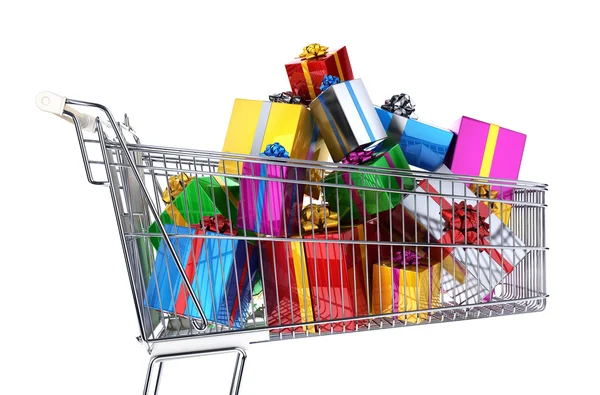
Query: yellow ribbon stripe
(309, 83)
(488, 153)
(338, 65)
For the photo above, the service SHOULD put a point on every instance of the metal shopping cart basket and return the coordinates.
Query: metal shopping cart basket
(281, 249)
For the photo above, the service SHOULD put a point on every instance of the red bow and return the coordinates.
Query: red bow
(464, 224)
(218, 224)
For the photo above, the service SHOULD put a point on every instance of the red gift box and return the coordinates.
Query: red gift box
(306, 73)
(335, 273)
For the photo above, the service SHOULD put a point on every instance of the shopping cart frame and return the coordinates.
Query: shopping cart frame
(166, 349)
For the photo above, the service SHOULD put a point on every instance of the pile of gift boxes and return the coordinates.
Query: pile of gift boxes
(328, 116)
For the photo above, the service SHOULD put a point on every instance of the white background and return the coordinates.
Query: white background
(68, 322)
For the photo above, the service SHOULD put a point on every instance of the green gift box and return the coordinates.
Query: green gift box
(354, 203)
(190, 199)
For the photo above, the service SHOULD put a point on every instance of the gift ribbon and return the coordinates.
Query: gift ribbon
(176, 185)
(488, 153)
(447, 238)
(285, 97)
(358, 157)
(318, 217)
(465, 224)
(219, 224)
(328, 81)
(484, 191)
(275, 150)
(400, 105)
(408, 258)
(312, 52)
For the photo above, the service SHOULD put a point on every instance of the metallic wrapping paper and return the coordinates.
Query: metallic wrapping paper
(424, 146)
(335, 273)
(486, 150)
(220, 263)
(269, 206)
(254, 124)
(464, 264)
(398, 290)
(347, 118)
(285, 278)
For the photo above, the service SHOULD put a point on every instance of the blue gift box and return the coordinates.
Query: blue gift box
(220, 270)
(424, 146)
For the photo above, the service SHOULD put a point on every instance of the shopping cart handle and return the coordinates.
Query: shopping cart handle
(55, 104)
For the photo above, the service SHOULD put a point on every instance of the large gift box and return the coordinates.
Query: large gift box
(315, 62)
(335, 273)
(220, 270)
(486, 150)
(270, 204)
(352, 203)
(469, 225)
(347, 118)
(286, 289)
(406, 284)
(254, 124)
(189, 199)
(425, 146)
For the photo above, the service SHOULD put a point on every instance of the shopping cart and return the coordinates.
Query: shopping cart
(344, 248)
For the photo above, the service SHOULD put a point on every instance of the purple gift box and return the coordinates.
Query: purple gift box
(268, 206)
(486, 150)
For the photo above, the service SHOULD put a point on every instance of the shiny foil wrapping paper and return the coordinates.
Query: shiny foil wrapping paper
(287, 291)
(425, 146)
(254, 124)
(486, 150)
(218, 269)
(336, 278)
(306, 75)
(347, 118)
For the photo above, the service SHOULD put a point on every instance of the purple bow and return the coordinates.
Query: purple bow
(410, 258)
(357, 157)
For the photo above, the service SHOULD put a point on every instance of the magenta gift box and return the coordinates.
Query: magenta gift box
(269, 206)
(486, 150)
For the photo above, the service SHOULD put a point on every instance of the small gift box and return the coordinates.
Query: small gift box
(254, 124)
(486, 150)
(464, 223)
(407, 283)
(347, 118)
(189, 199)
(335, 273)
(424, 146)
(355, 203)
(306, 74)
(271, 205)
(220, 270)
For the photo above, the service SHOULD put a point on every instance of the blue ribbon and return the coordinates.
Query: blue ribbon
(276, 150)
(329, 80)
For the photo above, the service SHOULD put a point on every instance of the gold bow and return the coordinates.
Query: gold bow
(176, 185)
(484, 191)
(318, 217)
(312, 51)
(314, 190)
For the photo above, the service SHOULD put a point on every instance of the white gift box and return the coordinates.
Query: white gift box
(471, 272)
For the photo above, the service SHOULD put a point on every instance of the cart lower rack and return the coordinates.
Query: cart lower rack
(284, 249)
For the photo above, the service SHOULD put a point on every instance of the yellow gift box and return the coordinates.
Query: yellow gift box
(254, 124)
(396, 289)
(501, 209)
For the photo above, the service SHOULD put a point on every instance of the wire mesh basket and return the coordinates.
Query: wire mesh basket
(290, 248)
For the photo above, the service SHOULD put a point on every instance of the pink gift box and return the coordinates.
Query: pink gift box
(268, 206)
(486, 150)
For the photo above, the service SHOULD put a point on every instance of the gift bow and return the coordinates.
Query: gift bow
(484, 191)
(465, 224)
(314, 190)
(318, 217)
(409, 258)
(329, 80)
(357, 157)
(285, 97)
(176, 185)
(312, 51)
(218, 224)
(276, 150)
(401, 105)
